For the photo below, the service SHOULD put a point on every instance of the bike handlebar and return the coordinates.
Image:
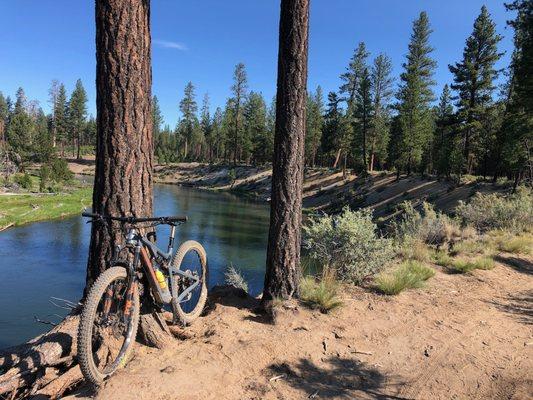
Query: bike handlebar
(133, 220)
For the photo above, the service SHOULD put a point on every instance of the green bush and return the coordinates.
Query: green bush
(348, 244)
(24, 181)
(44, 174)
(515, 245)
(427, 225)
(442, 258)
(59, 171)
(233, 277)
(513, 212)
(320, 294)
(409, 275)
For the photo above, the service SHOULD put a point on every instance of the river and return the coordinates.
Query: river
(48, 259)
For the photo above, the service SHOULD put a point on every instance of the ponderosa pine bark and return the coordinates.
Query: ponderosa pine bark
(283, 253)
(124, 144)
(124, 147)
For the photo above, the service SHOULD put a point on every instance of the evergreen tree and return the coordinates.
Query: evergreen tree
(239, 89)
(4, 113)
(20, 128)
(447, 154)
(257, 138)
(363, 115)
(77, 115)
(336, 134)
(89, 132)
(315, 120)
(228, 128)
(216, 129)
(474, 83)
(60, 112)
(157, 118)
(206, 127)
(188, 124)
(414, 97)
(382, 91)
(353, 74)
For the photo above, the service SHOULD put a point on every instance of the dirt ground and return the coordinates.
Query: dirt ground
(460, 337)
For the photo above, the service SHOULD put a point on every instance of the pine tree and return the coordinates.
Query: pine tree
(188, 124)
(4, 112)
(61, 117)
(382, 91)
(336, 133)
(207, 128)
(239, 89)
(257, 140)
(414, 97)
(157, 118)
(315, 120)
(77, 115)
(362, 116)
(474, 83)
(20, 128)
(353, 74)
(216, 128)
(447, 154)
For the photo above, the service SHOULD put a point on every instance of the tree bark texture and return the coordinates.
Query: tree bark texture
(124, 146)
(283, 253)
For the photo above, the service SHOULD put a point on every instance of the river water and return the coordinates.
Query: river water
(48, 259)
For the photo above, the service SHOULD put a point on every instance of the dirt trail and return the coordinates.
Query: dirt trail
(460, 337)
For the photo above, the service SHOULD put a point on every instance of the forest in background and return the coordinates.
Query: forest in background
(374, 121)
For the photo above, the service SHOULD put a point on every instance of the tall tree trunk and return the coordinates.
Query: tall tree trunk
(283, 253)
(124, 143)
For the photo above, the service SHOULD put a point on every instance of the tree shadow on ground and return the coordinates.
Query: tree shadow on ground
(339, 377)
(230, 296)
(519, 305)
(518, 264)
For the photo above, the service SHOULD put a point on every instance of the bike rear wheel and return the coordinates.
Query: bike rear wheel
(190, 257)
(108, 325)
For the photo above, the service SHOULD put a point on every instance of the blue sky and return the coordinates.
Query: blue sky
(201, 41)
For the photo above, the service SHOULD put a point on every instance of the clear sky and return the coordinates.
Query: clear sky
(201, 41)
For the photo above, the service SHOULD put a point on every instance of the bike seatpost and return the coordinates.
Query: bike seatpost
(171, 238)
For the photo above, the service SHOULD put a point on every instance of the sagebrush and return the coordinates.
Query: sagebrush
(512, 212)
(234, 277)
(348, 244)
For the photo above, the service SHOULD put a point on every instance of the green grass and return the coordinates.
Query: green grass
(472, 247)
(21, 209)
(320, 294)
(409, 275)
(442, 258)
(516, 245)
(465, 266)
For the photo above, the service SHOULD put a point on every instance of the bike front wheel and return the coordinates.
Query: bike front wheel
(108, 325)
(190, 258)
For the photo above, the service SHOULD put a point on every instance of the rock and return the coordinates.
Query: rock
(168, 369)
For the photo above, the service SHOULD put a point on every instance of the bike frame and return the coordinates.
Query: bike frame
(143, 248)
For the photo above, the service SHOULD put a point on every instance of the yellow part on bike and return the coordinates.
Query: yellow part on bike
(161, 279)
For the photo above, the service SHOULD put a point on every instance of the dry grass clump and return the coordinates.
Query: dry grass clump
(465, 266)
(409, 275)
(234, 277)
(320, 294)
(516, 245)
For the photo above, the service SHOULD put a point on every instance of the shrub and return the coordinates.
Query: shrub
(348, 244)
(414, 249)
(471, 247)
(320, 294)
(24, 181)
(516, 245)
(512, 212)
(427, 225)
(464, 266)
(44, 174)
(409, 275)
(233, 277)
(59, 171)
(442, 258)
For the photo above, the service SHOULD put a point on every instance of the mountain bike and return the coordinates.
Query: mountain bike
(111, 312)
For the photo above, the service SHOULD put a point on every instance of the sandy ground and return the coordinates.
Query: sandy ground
(460, 337)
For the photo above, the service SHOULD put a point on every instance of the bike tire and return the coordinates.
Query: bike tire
(183, 317)
(86, 360)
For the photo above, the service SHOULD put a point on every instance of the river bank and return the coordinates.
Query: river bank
(325, 190)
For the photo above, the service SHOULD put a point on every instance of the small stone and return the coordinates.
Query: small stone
(168, 370)
(325, 345)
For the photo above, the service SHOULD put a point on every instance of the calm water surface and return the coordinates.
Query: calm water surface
(47, 259)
